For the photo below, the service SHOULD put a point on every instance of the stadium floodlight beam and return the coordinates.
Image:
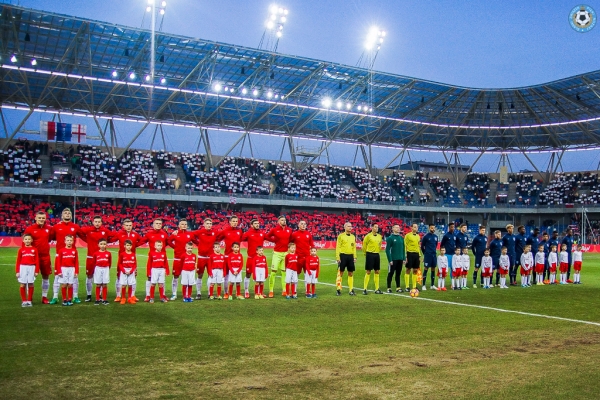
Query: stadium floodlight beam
(374, 38)
(34, 62)
(217, 87)
(244, 91)
(114, 74)
(274, 27)
(163, 81)
(132, 75)
(13, 59)
(326, 102)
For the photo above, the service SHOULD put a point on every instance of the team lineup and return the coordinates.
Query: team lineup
(294, 253)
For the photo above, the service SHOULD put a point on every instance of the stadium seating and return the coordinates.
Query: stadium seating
(477, 188)
(527, 189)
(20, 162)
(402, 185)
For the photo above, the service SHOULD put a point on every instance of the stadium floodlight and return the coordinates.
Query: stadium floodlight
(147, 78)
(217, 87)
(244, 91)
(34, 62)
(255, 92)
(269, 94)
(13, 59)
(163, 4)
(163, 81)
(162, 11)
(374, 38)
(348, 106)
(340, 105)
(114, 74)
(132, 75)
(149, 8)
(326, 102)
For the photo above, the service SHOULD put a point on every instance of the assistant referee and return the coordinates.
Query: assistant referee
(413, 256)
(345, 255)
(371, 248)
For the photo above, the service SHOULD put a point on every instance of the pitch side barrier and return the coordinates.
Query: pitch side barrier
(186, 195)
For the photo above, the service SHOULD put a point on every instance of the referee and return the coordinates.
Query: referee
(345, 255)
(413, 256)
(371, 247)
(395, 252)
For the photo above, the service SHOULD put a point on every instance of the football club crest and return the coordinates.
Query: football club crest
(582, 18)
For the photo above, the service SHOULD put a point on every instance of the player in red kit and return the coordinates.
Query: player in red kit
(59, 232)
(281, 236)
(216, 269)
(188, 272)
(40, 233)
(155, 234)
(255, 238)
(102, 263)
(157, 269)
(92, 235)
(67, 269)
(304, 242)
(136, 240)
(178, 241)
(313, 268)
(205, 238)
(291, 272)
(127, 266)
(27, 268)
(229, 235)
(235, 265)
(260, 272)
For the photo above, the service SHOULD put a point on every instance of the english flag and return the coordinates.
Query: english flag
(73, 133)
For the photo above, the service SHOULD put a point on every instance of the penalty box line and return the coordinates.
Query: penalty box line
(485, 307)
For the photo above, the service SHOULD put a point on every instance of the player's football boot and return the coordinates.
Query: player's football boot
(284, 293)
(294, 297)
(389, 290)
(45, 300)
(123, 300)
(444, 289)
(271, 295)
(198, 296)
(151, 301)
(174, 297)
(147, 299)
(351, 293)
(399, 290)
(24, 304)
(256, 297)
(76, 300)
(135, 299)
(288, 297)
(378, 291)
(365, 292)
(131, 300)
(338, 292)
(53, 301)
(118, 299)
(164, 300)
(211, 297)
(423, 288)
(247, 295)
(226, 296)
(97, 302)
(88, 298)
(261, 296)
(569, 281)
(313, 296)
(439, 289)
(65, 303)
(474, 286)
(230, 298)
(105, 302)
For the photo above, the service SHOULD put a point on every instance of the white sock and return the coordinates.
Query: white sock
(246, 284)
(148, 284)
(55, 287)
(76, 288)
(88, 286)
(45, 287)
(118, 287)
(226, 282)
(464, 279)
(199, 285)
(133, 289)
(174, 286)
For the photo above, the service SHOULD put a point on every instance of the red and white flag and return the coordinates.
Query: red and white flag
(49, 130)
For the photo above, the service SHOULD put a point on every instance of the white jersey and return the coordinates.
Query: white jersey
(442, 262)
(577, 256)
(456, 262)
(466, 262)
(486, 262)
(564, 257)
(552, 258)
(540, 258)
(526, 261)
(504, 261)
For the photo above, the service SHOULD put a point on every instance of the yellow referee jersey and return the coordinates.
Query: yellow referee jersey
(346, 244)
(411, 243)
(372, 243)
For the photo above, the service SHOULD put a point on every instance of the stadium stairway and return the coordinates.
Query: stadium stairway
(492, 196)
(47, 171)
(512, 191)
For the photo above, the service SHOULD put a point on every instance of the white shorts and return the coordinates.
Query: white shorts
(260, 274)
(188, 278)
(157, 275)
(310, 277)
(68, 276)
(101, 275)
(235, 278)
(127, 280)
(26, 274)
(217, 277)
(291, 276)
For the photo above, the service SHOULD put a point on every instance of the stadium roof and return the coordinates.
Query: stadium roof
(99, 69)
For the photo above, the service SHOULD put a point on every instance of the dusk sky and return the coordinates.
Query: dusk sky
(481, 44)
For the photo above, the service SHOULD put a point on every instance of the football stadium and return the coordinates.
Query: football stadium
(190, 218)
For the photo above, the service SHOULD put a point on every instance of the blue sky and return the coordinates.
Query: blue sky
(469, 43)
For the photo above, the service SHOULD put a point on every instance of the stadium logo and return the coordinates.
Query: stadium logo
(582, 18)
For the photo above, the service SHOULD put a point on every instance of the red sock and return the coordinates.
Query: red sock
(219, 290)
(308, 288)
(129, 291)
(312, 288)
(211, 290)
(184, 291)
(70, 293)
(30, 293)
(287, 289)
(23, 293)
(97, 293)
(104, 293)
(123, 291)
(293, 289)
(262, 288)
(230, 292)
(152, 290)
(64, 293)
(256, 288)
(161, 291)
(237, 290)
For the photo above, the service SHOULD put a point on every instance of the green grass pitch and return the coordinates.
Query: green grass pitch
(363, 347)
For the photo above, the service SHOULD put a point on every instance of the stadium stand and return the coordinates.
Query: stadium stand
(20, 162)
(402, 185)
(527, 189)
(477, 188)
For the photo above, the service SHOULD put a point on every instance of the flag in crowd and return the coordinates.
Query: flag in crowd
(62, 132)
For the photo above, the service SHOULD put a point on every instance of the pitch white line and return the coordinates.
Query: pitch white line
(485, 307)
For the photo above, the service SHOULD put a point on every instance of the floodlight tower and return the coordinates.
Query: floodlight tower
(273, 28)
(373, 43)
(155, 8)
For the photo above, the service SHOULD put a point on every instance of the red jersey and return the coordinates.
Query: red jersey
(66, 258)
(261, 262)
(281, 237)
(154, 236)
(136, 240)
(103, 259)
(178, 242)
(92, 235)
(313, 264)
(41, 238)
(291, 261)
(216, 261)
(230, 236)
(255, 238)
(235, 263)
(28, 256)
(157, 260)
(304, 242)
(188, 262)
(61, 230)
(205, 240)
(127, 262)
